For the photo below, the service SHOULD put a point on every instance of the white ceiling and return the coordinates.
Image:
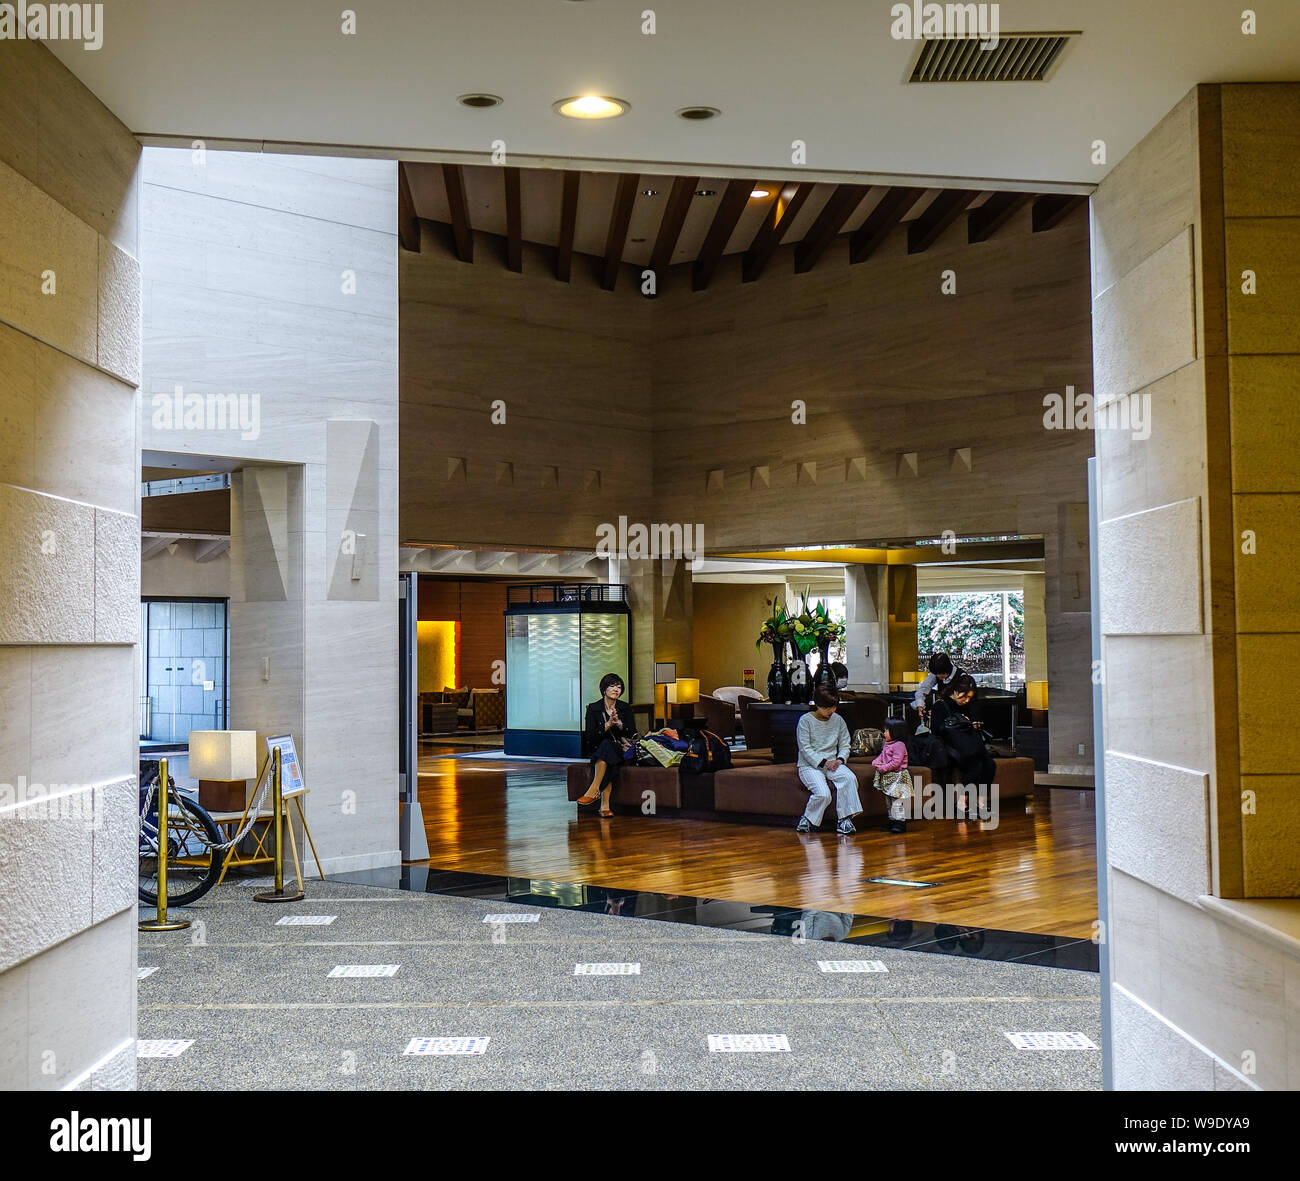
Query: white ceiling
(824, 71)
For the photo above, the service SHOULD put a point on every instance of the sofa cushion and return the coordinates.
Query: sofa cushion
(775, 790)
(665, 782)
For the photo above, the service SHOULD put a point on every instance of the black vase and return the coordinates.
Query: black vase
(824, 678)
(800, 681)
(778, 680)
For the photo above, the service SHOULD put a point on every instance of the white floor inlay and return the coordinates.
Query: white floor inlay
(306, 920)
(162, 1047)
(364, 970)
(447, 1045)
(607, 969)
(1050, 1041)
(511, 918)
(851, 966)
(141, 973)
(740, 1043)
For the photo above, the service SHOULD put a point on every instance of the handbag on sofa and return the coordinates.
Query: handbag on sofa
(867, 743)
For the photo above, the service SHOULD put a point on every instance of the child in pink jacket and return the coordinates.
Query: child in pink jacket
(892, 775)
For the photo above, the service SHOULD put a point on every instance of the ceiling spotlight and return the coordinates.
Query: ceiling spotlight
(706, 192)
(590, 106)
(636, 239)
(479, 100)
(649, 192)
(760, 193)
(698, 113)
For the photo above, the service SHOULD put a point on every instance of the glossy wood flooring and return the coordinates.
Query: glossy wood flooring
(1035, 872)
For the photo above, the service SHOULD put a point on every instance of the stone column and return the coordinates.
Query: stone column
(69, 581)
(867, 640)
(1196, 275)
(901, 600)
(1035, 628)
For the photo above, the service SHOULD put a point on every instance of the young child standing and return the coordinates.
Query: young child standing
(892, 775)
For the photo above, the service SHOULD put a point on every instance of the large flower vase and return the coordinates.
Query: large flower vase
(800, 681)
(824, 677)
(778, 680)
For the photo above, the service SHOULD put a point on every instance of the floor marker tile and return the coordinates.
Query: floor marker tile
(306, 920)
(511, 918)
(162, 1047)
(447, 1045)
(364, 970)
(738, 1043)
(1050, 1041)
(607, 969)
(851, 966)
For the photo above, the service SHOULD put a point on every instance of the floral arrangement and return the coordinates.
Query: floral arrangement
(811, 627)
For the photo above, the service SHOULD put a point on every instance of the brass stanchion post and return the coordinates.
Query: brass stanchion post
(279, 894)
(162, 923)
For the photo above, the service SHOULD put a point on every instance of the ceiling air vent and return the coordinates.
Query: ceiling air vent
(1017, 57)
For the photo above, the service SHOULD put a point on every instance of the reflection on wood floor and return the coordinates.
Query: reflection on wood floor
(1035, 872)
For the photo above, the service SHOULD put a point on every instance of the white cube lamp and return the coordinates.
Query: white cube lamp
(223, 761)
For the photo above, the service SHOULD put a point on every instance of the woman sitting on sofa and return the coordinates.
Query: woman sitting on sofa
(969, 762)
(606, 734)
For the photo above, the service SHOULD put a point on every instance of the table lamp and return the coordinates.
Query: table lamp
(223, 761)
(684, 691)
(1036, 694)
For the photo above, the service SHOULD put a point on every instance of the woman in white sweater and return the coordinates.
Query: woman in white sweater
(823, 748)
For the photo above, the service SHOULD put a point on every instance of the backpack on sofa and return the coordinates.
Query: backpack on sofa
(707, 752)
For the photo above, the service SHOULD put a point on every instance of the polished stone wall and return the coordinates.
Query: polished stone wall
(1196, 619)
(271, 292)
(69, 581)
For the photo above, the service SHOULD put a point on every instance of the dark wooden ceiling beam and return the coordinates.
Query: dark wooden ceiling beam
(729, 210)
(568, 222)
(619, 219)
(945, 209)
(775, 227)
(1000, 208)
(670, 226)
(881, 222)
(837, 210)
(1052, 209)
(408, 225)
(453, 178)
(514, 222)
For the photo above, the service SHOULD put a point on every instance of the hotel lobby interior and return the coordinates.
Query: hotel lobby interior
(362, 420)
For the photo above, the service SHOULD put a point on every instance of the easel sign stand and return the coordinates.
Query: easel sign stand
(279, 894)
(162, 923)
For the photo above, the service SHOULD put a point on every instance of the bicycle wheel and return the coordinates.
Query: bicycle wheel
(193, 865)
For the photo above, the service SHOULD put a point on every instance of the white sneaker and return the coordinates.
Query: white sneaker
(803, 825)
(845, 828)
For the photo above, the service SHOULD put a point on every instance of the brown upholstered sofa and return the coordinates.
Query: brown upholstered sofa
(766, 792)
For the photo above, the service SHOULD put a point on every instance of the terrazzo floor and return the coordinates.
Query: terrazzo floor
(257, 1003)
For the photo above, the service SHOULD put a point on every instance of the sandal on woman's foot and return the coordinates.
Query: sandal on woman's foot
(584, 803)
(604, 813)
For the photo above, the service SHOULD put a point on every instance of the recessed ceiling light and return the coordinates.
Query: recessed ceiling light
(698, 113)
(761, 193)
(636, 239)
(479, 100)
(649, 192)
(706, 192)
(590, 106)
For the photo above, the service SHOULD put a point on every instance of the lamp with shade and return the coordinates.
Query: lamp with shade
(684, 691)
(223, 761)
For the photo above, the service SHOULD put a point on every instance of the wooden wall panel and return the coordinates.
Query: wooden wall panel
(675, 401)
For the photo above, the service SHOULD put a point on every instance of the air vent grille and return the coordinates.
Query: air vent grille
(1018, 57)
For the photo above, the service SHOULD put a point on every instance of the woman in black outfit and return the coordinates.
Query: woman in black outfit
(969, 762)
(606, 734)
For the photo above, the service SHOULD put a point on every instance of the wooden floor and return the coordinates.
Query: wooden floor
(1036, 872)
